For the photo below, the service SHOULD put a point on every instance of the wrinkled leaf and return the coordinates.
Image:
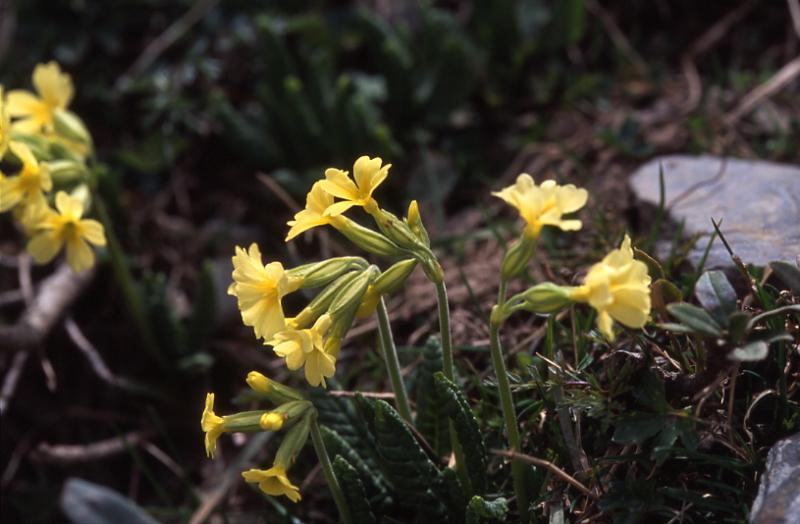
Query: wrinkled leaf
(481, 510)
(716, 295)
(353, 491)
(695, 318)
(84, 502)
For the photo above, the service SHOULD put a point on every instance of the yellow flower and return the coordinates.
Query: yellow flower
(259, 290)
(28, 187)
(67, 227)
(368, 176)
(317, 201)
(273, 482)
(544, 205)
(212, 424)
(618, 287)
(307, 347)
(36, 114)
(5, 126)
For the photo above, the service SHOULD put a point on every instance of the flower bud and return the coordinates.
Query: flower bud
(546, 298)
(396, 230)
(68, 125)
(347, 301)
(517, 257)
(393, 278)
(272, 421)
(322, 301)
(321, 273)
(275, 392)
(38, 145)
(414, 221)
(66, 171)
(295, 439)
(367, 239)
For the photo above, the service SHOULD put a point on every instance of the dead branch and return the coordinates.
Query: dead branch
(65, 454)
(555, 470)
(777, 82)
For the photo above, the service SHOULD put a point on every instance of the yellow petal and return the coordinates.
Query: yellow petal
(54, 86)
(79, 255)
(93, 232)
(338, 184)
(334, 210)
(605, 324)
(44, 247)
(23, 103)
(570, 198)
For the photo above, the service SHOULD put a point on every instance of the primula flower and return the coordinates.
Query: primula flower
(545, 204)
(28, 187)
(259, 290)
(272, 421)
(273, 482)
(36, 114)
(618, 287)
(213, 425)
(307, 347)
(317, 201)
(368, 176)
(67, 227)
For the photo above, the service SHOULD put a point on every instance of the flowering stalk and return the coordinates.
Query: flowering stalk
(444, 329)
(392, 362)
(327, 470)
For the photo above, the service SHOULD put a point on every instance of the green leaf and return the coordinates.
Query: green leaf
(431, 420)
(695, 318)
(466, 428)
(662, 293)
(716, 295)
(415, 478)
(789, 274)
(752, 352)
(638, 428)
(87, 503)
(480, 510)
(372, 480)
(653, 266)
(339, 415)
(353, 491)
(779, 311)
(737, 326)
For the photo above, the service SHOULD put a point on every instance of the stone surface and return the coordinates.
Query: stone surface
(758, 203)
(778, 500)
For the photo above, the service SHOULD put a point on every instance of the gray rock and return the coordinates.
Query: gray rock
(778, 500)
(758, 203)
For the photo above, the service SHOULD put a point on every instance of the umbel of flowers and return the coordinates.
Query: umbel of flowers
(350, 287)
(44, 174)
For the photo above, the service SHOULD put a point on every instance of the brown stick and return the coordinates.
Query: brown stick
(560, 473)
(777, 82)
(65, 454)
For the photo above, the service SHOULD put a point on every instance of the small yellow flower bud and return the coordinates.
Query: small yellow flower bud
(415, 223)
(272, 421)
(258, 382)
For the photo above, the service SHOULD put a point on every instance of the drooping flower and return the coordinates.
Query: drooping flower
(36, 114)
(28, 187)
(618, 287)
(306, 347)
(213, 425)
(544, 205)
(317, 201)
(66, 227)
(259, 289)
(368, 176)
(273, 482)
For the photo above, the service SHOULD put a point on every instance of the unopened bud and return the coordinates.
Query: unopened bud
(367, 239)
(66, 171)
(272, 421)
(546, 298)
(517, 257)
(68, 125)
(321, 273)
(415, 223)
(322, 301)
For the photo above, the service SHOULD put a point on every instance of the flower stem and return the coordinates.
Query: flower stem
(122, 272)
(327, 470)
(444, 329)
(392, 362)
(509, 412)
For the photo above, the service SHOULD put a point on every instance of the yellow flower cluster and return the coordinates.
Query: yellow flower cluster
(292, 413)
(49, 144)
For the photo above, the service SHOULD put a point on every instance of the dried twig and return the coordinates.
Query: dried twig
(55, 295)
(76, 453)
(11, 379)
(94, 358)
(777, 82)
(560, 473)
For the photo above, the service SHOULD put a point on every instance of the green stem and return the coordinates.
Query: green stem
(510, 418)
(444, 329)
(392, 362)
(327, 469)
(501, 291)
(122, 272)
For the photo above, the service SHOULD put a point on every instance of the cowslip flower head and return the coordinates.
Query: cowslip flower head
(368, 176)
(67, 228)
(544, 205)
(28, 187)
(306, 347)
(212, 424)
(618, 287)
(259, 289)
(35, 114)
(273, 482)
(317, 201)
